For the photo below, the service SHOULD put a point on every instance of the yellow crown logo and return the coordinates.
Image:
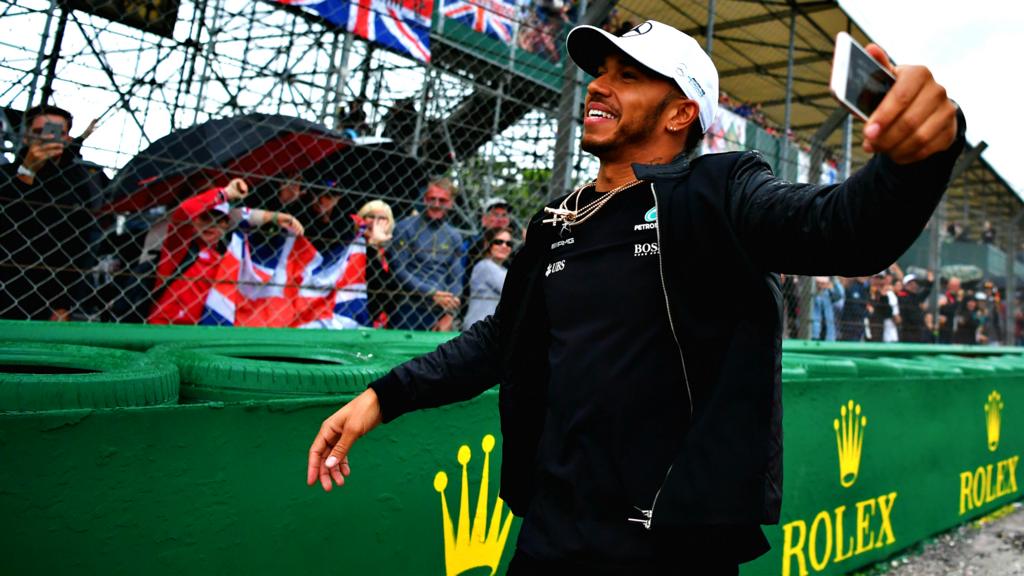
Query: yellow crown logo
(473, 546)
(849, 440)
(993, 409)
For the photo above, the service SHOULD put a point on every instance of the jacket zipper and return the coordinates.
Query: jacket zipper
(648, 515)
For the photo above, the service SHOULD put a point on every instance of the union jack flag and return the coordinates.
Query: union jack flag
(289, 283)
(399, 25)
(498, 18)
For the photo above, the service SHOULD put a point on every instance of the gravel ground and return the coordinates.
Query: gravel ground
(992, 546)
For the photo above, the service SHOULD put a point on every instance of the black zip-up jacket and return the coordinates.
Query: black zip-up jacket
(723, 217)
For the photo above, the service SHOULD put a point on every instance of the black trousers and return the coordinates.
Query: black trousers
(685, 565)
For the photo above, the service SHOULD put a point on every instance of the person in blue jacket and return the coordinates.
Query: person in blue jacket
(427, 257)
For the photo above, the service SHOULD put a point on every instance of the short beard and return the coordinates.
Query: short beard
(642, 133)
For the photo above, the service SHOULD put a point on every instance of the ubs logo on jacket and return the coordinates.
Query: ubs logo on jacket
(554, 267)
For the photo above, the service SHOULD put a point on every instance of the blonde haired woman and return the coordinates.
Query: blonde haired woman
(375, 222)
(379, 220)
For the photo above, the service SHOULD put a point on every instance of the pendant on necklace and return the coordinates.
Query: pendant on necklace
(568, 218)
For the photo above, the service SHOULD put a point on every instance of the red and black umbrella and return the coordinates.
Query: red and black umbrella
(252, 146)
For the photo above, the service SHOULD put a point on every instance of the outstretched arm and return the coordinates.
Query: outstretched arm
(192, 207)
(458, 370)
(916, 135)
(285, 221)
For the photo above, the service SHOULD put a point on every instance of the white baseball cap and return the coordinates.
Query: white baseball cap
(659, 47)
(494, 202)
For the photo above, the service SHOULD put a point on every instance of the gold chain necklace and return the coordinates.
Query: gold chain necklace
(569, 218)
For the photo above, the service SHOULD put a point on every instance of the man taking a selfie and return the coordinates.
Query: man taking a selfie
(641, 427)
(46, 200)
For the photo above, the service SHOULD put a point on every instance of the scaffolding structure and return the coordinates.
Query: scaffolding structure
(500, 117)
(230, 58)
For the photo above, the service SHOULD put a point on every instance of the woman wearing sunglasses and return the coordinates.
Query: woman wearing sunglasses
(488, 275)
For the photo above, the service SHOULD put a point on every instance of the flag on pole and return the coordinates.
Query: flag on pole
(399, 25)
(497, 18)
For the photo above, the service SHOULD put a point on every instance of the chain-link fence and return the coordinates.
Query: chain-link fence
(342, 164)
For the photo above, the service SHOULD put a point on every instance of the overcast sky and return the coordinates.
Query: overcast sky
(974, 51)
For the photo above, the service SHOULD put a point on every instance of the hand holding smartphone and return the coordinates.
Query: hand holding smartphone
(858, 81)
(43, 146)
(919, 122)
(52, 131)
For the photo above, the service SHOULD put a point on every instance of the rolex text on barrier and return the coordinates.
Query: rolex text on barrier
(875, 463)
(847, 530)
(992, 481)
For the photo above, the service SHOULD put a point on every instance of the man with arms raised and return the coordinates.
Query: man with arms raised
(642, 427)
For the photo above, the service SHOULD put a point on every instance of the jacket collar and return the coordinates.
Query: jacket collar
(431, 223)
(678, 166)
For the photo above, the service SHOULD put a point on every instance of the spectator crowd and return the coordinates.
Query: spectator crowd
(243, 250)
(225, 254)
(895, 307)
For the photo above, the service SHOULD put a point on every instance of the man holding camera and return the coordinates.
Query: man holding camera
(46, 197)
(642, 428)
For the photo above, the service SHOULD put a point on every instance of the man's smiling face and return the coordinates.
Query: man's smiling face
(624, 107)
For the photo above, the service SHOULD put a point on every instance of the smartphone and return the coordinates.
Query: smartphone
(52, 131)
(859, 82)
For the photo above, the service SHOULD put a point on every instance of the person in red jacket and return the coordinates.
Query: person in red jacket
(192, 249)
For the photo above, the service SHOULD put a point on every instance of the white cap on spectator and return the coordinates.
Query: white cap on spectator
(909, 278)
(494, 202)
(979, 296)
(659, 47)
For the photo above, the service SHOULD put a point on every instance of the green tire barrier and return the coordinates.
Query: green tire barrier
(893, 350)
(972, 366)
(990, 366)
(820, 366)
(142, 337)
(240, 371)
(882, 451)
(873, 465)
(39, 377)
(916, 368)
(793, 373)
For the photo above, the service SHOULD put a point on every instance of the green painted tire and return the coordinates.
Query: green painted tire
(40, 377)
(239, 371)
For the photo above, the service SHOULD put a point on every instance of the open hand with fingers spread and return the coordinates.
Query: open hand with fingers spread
(915, 119)
(328, 456)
